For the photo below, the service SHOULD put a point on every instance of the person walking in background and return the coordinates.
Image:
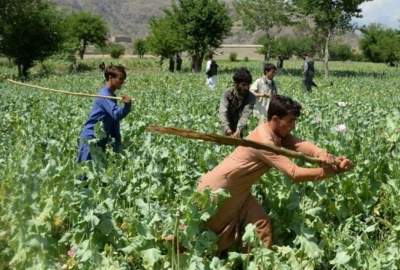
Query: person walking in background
(308, 72)
(178, 60)
(237, 105)
(106, 111)
(171, 66)
(211, 72)
(279, 62)
(264, 88)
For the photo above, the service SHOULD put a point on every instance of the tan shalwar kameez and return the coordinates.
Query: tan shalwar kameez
(239, 171)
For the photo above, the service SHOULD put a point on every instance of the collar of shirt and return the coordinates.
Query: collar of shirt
(109, 91)
(267, 132)
(267, 81)
(238, 95)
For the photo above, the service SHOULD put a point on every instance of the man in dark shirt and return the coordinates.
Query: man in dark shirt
(237, 104)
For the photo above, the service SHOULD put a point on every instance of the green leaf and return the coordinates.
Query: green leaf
(150, 257)
(341, 258)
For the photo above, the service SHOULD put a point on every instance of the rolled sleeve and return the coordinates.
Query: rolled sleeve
(223, 112)
(285, 165)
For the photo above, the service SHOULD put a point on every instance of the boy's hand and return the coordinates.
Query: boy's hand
(343, 164)
(126, 100)
(236, 134)
(327, 158)
(340, 164)
(228, 132)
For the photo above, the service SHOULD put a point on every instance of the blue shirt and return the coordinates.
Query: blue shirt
(108, 112)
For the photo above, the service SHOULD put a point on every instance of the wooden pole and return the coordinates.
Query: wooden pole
(225, 140)
(62, 92)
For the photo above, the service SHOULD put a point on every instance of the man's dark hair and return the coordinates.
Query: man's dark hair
(242, 75)
(282, 106)
(113, 71)
(268, 67)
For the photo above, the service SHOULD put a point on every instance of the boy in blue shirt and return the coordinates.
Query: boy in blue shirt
(106, 111)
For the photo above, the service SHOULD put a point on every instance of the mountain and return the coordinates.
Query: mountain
(131, 18)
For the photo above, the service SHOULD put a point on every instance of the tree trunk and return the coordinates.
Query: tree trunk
(268, 55)
(197, 61)
(326, 54)
(82, 50)
(171, 67)
(19, 70)
(23, 71)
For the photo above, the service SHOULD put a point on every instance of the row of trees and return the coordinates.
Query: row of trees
(194, 26)
(197, 26)
(32, 30)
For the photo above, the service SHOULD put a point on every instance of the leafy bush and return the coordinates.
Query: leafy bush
(116, 50)
(380, 44)
(139, 47)
(340, 52)
(233, 56)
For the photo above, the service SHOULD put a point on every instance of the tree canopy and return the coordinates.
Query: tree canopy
(330, 16)
(84, 28)
(264, 15)
(203, 24)
(164, 38)
(30, 30)
(380, 44)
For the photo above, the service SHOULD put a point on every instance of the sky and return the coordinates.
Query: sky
(386, 12)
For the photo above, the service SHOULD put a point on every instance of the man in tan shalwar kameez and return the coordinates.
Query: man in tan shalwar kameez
(244, 167)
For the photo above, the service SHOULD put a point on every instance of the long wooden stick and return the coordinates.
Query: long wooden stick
(225, 140)
(61, 91)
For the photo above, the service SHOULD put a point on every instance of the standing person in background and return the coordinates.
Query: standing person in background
(264, 88)
(211, 72)
(237, 105)
(171, 67)
(178, 62)
(279, 62)
(308, 72)
(106, 111)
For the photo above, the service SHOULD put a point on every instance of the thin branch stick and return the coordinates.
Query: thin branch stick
(62, 92)
(225, 140)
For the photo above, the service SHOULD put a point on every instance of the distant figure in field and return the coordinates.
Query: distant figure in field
(279, 62)
(171, 64)
(237, 105)
(106, 111)
(308, 72)
(264, 88)
(102, 66)
(211, 72)
(178, 62)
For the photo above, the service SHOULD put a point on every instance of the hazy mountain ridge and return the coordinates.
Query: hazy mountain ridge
(131, 18)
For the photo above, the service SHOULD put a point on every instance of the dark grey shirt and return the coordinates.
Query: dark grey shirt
(235, 110)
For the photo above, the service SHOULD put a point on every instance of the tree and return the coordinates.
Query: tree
(380, 44)
(329, 17)
(85, 28)
(264, 15)
(203, 24)
(116, 50)
(340, 52)
(139, 47)
(287, 46)
(29, 31)
(164, 38)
